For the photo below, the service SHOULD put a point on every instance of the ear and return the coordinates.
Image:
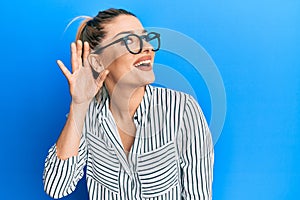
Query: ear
(95, 63)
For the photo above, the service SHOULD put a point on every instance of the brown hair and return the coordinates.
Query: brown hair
(92, 29)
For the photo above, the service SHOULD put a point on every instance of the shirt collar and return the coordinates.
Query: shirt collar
(143, 108)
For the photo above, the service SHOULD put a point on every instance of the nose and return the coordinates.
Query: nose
(147, 47)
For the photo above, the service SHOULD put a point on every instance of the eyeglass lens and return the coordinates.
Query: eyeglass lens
(134, 45)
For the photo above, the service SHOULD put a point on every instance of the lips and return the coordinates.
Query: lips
(143, 62)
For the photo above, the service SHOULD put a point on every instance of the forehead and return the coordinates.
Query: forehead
(122, 23)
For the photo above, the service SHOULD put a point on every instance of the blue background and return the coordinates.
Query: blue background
(255, 44)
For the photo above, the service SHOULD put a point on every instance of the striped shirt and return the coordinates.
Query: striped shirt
(171, 156)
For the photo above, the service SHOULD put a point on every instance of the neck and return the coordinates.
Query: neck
(123, 103)
(124, 100)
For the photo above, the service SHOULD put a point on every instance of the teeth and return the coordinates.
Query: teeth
(142, 62)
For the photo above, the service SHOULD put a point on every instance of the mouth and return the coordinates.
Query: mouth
(144, 63)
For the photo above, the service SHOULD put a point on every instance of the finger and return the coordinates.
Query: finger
(79, 51)
(86, 51)
(100, 79)
(74, 57)
(64, 69)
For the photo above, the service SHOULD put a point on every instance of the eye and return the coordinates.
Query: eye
(127, 40)
(150, 36)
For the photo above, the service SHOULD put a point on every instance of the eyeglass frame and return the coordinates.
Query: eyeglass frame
(141, 37)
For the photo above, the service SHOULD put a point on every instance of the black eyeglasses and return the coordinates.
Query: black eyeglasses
(134, 43)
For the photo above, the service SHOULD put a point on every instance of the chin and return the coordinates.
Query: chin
(137, 78)
(148, 79)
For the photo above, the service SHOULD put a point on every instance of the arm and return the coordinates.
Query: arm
(66, 160)
(61, 176)
(197, 156)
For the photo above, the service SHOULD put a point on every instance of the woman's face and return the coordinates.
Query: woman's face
(125, 67)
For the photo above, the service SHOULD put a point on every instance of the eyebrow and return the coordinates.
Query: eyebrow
(128, 32)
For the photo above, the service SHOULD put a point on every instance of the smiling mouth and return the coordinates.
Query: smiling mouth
(144, 63)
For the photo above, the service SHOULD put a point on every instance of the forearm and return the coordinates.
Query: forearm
(60, 177)
(68, 142)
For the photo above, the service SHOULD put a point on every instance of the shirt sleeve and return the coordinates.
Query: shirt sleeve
(60, 177)
(196, 154)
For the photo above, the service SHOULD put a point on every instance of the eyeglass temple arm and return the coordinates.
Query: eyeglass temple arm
(114, 42)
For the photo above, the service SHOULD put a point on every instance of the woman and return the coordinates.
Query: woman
(136, 141)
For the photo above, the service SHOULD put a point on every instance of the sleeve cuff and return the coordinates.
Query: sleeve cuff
(54, 160)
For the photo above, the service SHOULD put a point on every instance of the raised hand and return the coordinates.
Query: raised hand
(83, 86)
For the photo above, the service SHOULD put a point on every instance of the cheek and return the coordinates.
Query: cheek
(124, 61)
(108, 59)
(121, 66)
(118, 57)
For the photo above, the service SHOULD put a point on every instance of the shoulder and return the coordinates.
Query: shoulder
(164, 95)
(168, 92)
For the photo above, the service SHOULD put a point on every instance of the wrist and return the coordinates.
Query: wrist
(79, 107)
